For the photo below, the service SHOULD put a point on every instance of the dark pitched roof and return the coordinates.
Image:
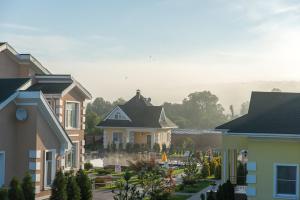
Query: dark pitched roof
(142, 114)
(8, 86)
(49, 88)
(269, 112)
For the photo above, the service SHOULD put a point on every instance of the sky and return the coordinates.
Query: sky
(166, 48)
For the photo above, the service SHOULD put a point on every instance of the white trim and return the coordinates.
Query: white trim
(78, 116)
(4, 163)
(285, 196)
(53, 167)
(117, 108)
(224, 166)
(8, 100)
(264, 135)
(79, 86)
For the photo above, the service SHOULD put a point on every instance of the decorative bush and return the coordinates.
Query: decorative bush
(218, 172)
(59, 186)
(202, 196)
(129, 147)
(191, 171)
(3, 194)
(156, 148)
(164, 148)
(88, 166)
(15, 191)
(225, 192)
(205, 172)
(85, 185)
(28, 187)
(73, 189)
(136, 148)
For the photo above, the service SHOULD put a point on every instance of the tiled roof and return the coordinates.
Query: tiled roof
(8, 86)
(269, 112)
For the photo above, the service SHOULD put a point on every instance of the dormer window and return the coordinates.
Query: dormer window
(118, 115)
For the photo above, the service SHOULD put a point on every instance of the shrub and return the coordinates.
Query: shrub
(171, 149)
(113, 147)
(211, 196)
(225, 191)
(15, 190)
(3, 194)
(59, 185)
(73, 189)
(136, 147)
(88, 166)
(102, 171)
(28, 187)
(241, 174)
(156, 148)
(202, 196)
(218, 172)
(191, 171)
(129, 147)
(164, 148)
(205, 172)
(85, 185)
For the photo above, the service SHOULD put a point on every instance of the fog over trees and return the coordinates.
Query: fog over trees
(199, 110)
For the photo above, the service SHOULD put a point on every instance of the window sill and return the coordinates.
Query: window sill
(284, 196)
(73, 129)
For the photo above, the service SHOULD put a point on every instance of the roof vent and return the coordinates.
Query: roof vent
(21, 114)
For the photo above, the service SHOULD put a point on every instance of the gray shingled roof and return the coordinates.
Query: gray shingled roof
(269, 112)
(9, 86)
(142, 114)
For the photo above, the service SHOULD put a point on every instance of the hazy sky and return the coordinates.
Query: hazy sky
(167, 48)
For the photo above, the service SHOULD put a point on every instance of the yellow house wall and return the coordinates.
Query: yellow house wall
(265, 152)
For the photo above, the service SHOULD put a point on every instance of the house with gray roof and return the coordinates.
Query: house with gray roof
(137, 122)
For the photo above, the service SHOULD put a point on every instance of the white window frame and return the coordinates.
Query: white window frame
(285, 196)
(53, 167)
(3, 152)
(77, 157)
(78, 117)
(121, 136)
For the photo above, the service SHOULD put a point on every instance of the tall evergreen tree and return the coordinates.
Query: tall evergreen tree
(85, 185)
(15, 190)
(73, 189)
(3, 194)
(59, 187)
(28, 187)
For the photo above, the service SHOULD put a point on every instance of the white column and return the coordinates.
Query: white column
(224, 174)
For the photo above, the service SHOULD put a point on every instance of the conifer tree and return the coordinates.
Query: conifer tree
(15, 190)
(85, 185)
(73, 189)
(28, 187)
(59, 187)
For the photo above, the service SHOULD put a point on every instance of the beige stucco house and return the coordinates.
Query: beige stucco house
(42, 117)
(137, 122)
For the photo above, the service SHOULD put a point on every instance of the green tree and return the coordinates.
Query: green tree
(59, 186)
(128, 191)
(3, 194)
(15, 191)
(205, 172)
(28, 187)
(85, 185)
(244, 108)
(191, 171)
(73, 189)
(92, 120)
(156, 148)
(199, 110)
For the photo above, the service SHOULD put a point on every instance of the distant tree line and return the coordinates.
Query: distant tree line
(199, 110)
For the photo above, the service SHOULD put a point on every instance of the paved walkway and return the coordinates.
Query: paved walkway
(196, 196)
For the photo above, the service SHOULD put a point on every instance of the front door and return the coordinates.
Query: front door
(149, 140)
(2, 168)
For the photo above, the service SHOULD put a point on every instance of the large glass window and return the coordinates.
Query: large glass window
(49, 168)
(72, 115)
(117, 137)
(286, 180)
(71, 159)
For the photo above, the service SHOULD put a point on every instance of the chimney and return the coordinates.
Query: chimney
(138, 93)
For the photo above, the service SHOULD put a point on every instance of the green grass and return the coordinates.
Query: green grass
(178, 171)
(193, 188)
(180, 197)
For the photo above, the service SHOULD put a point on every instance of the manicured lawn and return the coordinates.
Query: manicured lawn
(180, 197)
(178, 171)
(193, 188)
